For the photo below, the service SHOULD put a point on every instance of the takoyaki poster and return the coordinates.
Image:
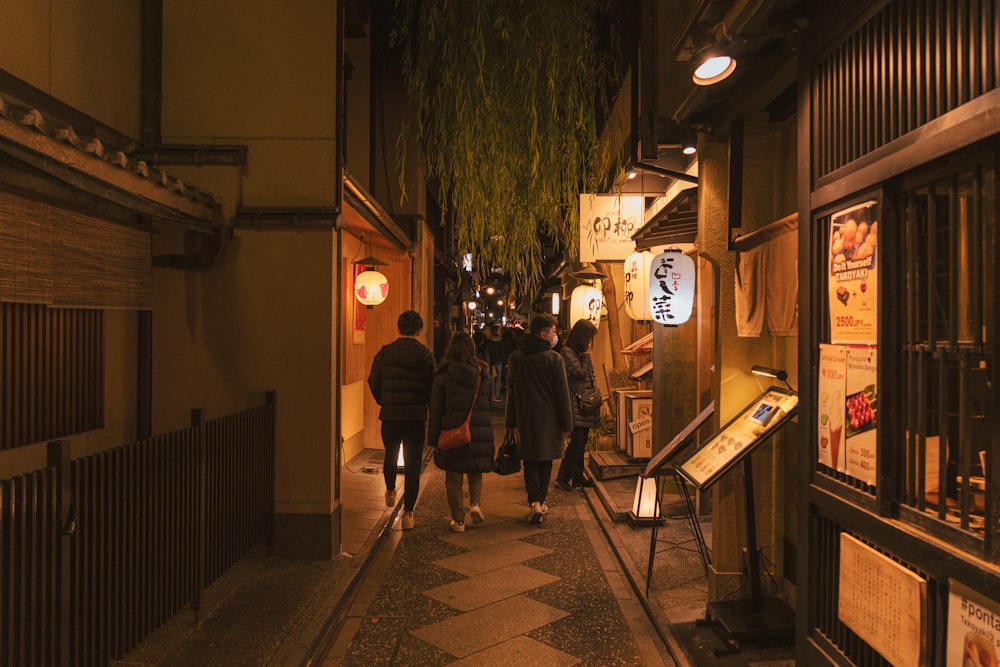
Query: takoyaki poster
(973, 628)
(853, 274)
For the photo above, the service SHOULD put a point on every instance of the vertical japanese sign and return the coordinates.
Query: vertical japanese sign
(861, 409)
(607, 223)
(671, 288)
(848, 408)
(853, 274)
(359, 310)
(973, 628)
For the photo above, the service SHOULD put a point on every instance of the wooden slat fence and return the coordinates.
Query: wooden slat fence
(97, 553)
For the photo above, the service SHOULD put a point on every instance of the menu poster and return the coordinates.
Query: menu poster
(832, 375)
(861, 410)
(738, 436)
(973, 628)
(853, 274)
(848, 410)
(884, 603)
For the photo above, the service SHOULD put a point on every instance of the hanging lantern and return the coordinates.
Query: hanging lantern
(671, 288)
(371, 287)
(637, 266)
(585, 304)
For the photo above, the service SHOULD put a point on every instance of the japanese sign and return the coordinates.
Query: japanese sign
(848, 410)
(607, 223)
(973, 628)
(585, 304)
(671, 288)
(883, 602)
(853, 274)
(637, 269)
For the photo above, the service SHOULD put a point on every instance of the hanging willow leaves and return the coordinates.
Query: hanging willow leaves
(506, 95)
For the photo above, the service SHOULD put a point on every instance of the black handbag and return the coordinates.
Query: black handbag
(507, 461)
(590, 399)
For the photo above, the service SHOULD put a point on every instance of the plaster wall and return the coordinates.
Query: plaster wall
(263, 75)
(769, 194)
(82, 52)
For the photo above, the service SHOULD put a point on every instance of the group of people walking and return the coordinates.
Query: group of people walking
(543, 412)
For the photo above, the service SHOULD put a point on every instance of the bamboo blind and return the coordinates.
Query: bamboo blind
(64, 258)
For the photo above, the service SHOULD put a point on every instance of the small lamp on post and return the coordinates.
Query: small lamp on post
(779, 375)
(646, 502)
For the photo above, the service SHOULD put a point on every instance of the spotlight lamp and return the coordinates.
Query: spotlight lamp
(689, 142)
(713, 56)
(779, 375)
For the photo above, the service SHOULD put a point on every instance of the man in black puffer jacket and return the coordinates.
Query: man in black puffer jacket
(400, 380)
(538, 409)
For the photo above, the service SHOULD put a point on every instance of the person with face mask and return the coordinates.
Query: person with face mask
(538, 409)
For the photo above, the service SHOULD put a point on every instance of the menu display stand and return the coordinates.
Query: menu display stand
(757, 617)
(654, 469)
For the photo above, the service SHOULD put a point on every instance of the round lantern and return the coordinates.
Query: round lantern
(637, 266)
(371, 288)
(585, 304)
(671, 288)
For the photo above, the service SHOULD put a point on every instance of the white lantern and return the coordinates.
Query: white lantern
(371, 288)
(585, 304)
(671, 288)
(646, 502)
(637, 266)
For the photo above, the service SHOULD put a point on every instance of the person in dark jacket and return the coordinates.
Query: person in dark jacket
(400, 380)
(538, 408)
(580, 375)
(451, 400)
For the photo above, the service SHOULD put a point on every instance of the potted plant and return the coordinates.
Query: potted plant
(604, 435)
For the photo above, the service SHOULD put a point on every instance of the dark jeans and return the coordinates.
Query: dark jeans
(571, 468)
(411, 434)
(536, 480)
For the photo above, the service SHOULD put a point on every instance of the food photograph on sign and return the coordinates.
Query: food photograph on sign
(853, 274)
(973, 637)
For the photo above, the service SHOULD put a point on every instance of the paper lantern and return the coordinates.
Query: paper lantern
(646, 502)
(371, 288)
(671, 288)
(585, 304)
(637, 266)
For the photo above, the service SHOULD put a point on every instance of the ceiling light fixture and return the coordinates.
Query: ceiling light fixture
(689, 141)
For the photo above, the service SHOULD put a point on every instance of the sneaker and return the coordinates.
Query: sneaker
(407, 520)
(476, 514)
(390, 497)
(535, 515)
(563, 486)
(585, 482)
(457, 526)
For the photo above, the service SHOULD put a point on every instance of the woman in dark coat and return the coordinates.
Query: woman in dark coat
(451, 398)
(538, 408)
(580, 376)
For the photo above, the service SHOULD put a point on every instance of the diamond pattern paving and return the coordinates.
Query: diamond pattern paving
(483, 560)
(476, 630)
(490, 587)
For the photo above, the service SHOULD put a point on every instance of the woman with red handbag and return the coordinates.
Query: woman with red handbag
(460, 394)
